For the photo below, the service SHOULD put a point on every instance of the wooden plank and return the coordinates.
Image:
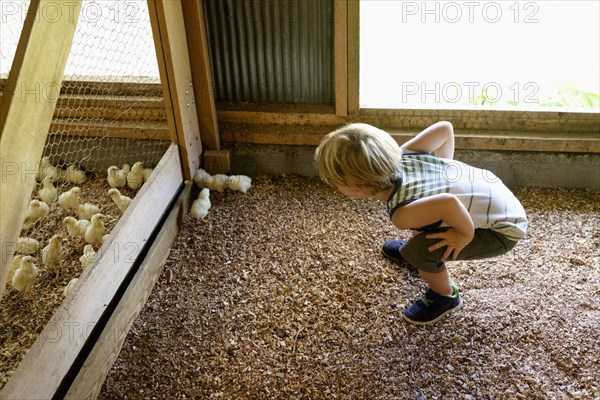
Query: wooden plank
(340, 45)
(217, 161)
(88, 383)
(26, 112)
(167, 22)
(353, 56)
(195, 27)
(52, 355)
(125, 130)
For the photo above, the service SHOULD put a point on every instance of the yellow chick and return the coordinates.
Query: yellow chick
(24, 277)
(201, 205)
(202, 178)
(241, 183)
(86, 210)
(88, 256)
(116, 178)
(16, 263)
(146, 172)
(74, 175)
(46, 169)
(48, 193)
(95, 231)
(218, 182)
(69, 200)
(120, 200)
(135, 178)
(105, 237)
(70, 287)
(126, 168)
(76, 228)
(36, 210)
(52, 253)
(27, 245)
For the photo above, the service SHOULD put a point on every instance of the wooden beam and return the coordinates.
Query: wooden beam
(52, 355)
(168, 28)
(89, 380)
(217, 161)
(26, 110)
(353, 56)
(340, 45)
(117, 129)
(195, 27)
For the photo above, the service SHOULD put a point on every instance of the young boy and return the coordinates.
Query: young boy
(456, 211)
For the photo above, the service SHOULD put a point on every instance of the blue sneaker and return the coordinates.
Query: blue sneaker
(391, 249)
(432, 307)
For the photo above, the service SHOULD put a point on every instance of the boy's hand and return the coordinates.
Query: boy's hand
(452, 239)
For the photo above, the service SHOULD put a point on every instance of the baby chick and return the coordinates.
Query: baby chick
(46, 169)
(88, 256)
(27, 245)
(69, 200)
(240, 183)
(201, 205)
(95, 231)
(86, 210)
(74, 175)
(202, 178)
(146, 172)
(52, 253)
(120, 200)
(48, 193)
(135, 178)
(218, 182)
(16, 263)
(116, 178)
(76, 228)
(70, 287)
(25, 275)
(36, 210)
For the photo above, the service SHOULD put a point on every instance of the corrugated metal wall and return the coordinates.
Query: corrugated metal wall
(272, 51)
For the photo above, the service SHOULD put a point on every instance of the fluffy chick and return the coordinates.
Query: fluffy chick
(218, 182)
(69, 200)
(76, 228)
(202, 178)
(36, 210)
(88, 256)
(70, 287)
(16, 263)
(27, 245)
(74, 175)
(53, 252)
(24, 277)
(135, 178)
(86, 210)
(48, 193)
(95, 231)
(116, 178)
(241, 183)
(146, 172)
(201, 205)
(120, 200)
(46, 169)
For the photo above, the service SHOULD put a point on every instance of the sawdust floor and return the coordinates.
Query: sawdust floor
(281, 294)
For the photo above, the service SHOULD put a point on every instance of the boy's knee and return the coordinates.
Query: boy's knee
(416, 253)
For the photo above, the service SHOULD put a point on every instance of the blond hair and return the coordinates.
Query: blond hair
(359, 156)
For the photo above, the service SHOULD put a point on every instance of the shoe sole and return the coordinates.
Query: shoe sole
(433, 321)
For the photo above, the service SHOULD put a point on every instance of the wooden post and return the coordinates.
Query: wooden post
(166, 17)
(340, 46)
(353, 56)
(28, 102)
(195, 27)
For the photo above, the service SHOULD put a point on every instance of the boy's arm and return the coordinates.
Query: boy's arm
(437, 139)
(429, 210)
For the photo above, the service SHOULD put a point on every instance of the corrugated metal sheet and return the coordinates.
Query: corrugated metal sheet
(272, 51)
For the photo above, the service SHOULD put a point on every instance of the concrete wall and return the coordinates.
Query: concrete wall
(514, 168)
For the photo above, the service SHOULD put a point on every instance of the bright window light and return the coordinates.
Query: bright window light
(509, 55)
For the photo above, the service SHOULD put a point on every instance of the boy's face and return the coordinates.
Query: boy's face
(353, 193)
